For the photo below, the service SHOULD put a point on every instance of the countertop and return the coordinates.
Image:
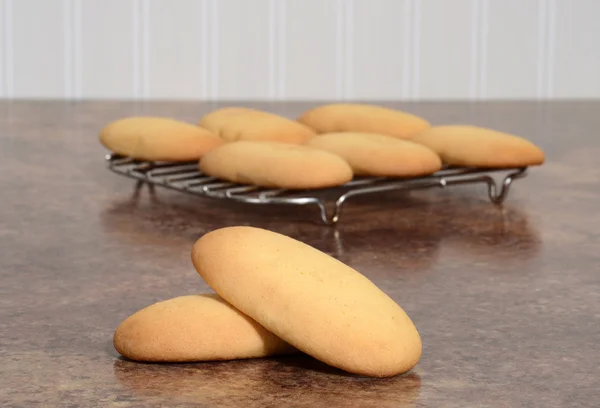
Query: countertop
(506, 299)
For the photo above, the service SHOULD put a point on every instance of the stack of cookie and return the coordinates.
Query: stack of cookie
(325, 147)
(274, 295)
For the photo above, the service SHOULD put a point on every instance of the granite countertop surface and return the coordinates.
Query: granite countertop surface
(506, 299)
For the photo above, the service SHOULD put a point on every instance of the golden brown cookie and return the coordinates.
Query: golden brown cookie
(354, 117)
(158, 139)
(194, 328)
(275, 164)
(472, 146)
(309, 299)
(238, 123)
(371, 154)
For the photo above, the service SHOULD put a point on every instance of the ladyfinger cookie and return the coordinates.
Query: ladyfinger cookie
(371, 154)
(239, 123)
(355, 117)
(473, 146)
(194, 328)
(309, 299)
(158, 139)
(275, 164)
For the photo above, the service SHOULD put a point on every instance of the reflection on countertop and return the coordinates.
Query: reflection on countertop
(273, 382)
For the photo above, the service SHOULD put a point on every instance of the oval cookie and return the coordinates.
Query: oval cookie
(274, 164)
(194, 328)
(371, 154)
(349, 117)
(309, 299)
(234, 123)
(158, 139)
(215, 120)
(472, 146)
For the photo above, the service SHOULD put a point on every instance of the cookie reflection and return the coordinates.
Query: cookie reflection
(297, 379)
(412, 235)
(408, 228)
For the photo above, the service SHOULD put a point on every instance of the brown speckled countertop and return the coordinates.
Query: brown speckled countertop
(507, 301)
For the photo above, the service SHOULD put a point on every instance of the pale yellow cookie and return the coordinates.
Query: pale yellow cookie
(309, 299)
(158, 139)
(274, 164)
(216, 119)
(355, 117)
(371, 154)
(472, 146)
(194, 328)
(235, 123)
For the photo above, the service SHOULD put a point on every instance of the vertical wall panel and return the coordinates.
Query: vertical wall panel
(311, 63)
(3, 59)
(379, 42)
(300, 49)
(38, 51)
(107, 48)
(177, 39)
(512, 49)
(243, 52)
(445, 51)
(576, 62)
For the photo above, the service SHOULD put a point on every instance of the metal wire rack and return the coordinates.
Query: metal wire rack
(187, 178)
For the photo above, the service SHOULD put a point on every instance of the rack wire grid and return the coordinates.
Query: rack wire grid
(186, 177)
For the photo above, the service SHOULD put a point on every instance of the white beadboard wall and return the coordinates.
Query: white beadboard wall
(300, 49)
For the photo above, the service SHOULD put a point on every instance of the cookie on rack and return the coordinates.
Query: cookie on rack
(473, 146)
(158, 139)
(355, 117)
(309, 299)
(194, 328)
(240, 123)
(276, 164)
(372, 154)
(216, 119)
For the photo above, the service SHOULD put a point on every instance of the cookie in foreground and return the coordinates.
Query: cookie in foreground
(194, 328)
(473, 146)
(275, 164)
(356, 117)
(158, 139)
(309, 299)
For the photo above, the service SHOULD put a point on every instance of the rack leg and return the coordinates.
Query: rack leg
(325, 218)
(498, 196)
(334, 217)
(140, 184)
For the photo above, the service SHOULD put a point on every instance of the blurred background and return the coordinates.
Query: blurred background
(300, 49)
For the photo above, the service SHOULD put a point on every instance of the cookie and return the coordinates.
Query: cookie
(309, 299)
(216, 119)
(235, 123)
(349, 117)
(472, 146)
(194, 328)
(275, 164)
(157, 139)
(371, 154)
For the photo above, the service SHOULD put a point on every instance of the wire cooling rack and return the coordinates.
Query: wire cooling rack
(187, 178)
